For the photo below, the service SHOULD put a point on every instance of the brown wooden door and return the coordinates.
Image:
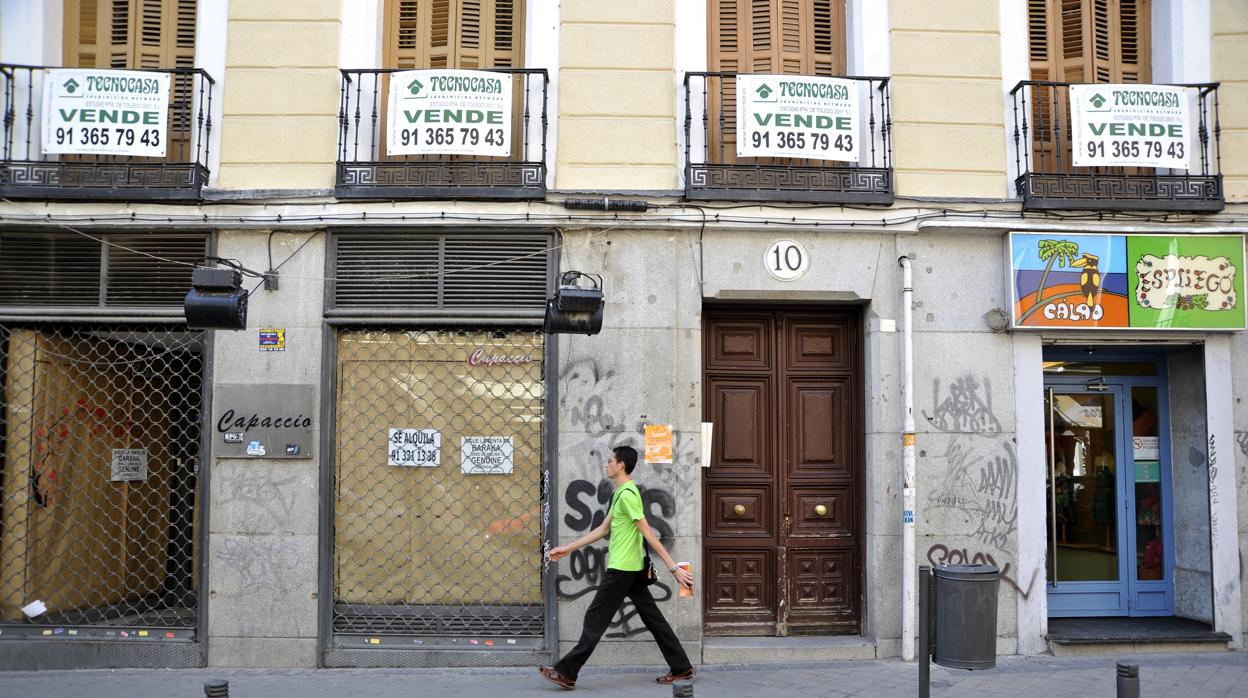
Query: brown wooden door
(781, 500)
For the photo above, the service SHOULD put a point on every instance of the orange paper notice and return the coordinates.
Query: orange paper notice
(658, 443)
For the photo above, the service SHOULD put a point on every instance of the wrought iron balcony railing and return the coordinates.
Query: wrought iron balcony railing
(1048, 179)
(714, 171)
(26, 172)
(367, 171)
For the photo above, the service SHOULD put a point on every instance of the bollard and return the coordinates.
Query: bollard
(217, 688)
(1128, 680)
(682, 689)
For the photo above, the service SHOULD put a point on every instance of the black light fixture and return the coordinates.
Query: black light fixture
(216, 300)
(575, 309)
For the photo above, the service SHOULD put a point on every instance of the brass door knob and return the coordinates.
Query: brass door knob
(739, 510)
(821, 510)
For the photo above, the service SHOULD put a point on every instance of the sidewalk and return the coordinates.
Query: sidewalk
(1186, 675)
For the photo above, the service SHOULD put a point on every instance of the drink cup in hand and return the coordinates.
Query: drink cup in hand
(686, 591)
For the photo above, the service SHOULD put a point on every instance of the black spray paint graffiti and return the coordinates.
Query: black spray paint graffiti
(1241, 438)
(587, 508)
(964, 408)
(987, 497)
(941, 554)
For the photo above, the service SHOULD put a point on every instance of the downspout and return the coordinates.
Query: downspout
(908, 610)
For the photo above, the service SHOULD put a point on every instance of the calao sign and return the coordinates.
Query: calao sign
(1132, 125)
(1128, 281)
(452, 112)
(797, 116)
(105, 112)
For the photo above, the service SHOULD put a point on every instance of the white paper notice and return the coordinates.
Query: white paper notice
(486, 455)
(129, 465)
(1146, 447)
(34, 608)
(414, 447)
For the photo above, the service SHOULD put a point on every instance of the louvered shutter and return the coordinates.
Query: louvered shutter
(790, 37)
(1090, 41)
(1080, 41)
(454, 34)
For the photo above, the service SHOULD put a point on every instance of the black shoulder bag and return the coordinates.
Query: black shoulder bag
(649, 575)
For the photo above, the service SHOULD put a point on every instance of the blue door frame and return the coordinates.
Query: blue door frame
(1128, 596)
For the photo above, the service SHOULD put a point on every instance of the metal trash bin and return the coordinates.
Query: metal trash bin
(965, 615)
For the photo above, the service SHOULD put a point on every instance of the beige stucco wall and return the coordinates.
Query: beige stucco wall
(1230, 67)
(617, 102)
(281, 95)
(946, 99)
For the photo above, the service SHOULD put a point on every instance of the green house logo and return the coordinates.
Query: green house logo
(415, 86)
(764, 91)
(71, 86)
(1097, 100)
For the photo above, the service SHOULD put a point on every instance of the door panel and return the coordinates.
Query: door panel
(781, 521)
(742, 409)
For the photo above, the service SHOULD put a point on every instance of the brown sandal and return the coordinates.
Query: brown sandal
(682, 676)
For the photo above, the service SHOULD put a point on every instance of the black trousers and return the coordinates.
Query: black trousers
(616, 586)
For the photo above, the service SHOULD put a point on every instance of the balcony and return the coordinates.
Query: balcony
(714, 170)
(367, 171)
(27, 172)
(1048, 178)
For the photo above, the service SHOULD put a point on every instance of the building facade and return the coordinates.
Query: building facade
(943, 328)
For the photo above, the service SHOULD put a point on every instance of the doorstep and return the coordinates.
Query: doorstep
(752, 650)
(1103, 636)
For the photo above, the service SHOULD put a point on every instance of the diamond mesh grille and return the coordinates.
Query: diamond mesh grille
(449, 542)
(102, 538)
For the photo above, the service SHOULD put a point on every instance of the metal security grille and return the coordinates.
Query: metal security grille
(439, 483)
(99, 486)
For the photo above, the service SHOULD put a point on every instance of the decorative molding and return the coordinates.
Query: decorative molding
(779, 183)
(1121, 192)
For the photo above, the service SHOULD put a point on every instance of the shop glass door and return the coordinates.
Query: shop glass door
(1107, 499)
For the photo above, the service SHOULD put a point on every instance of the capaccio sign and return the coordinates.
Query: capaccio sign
(263, 421)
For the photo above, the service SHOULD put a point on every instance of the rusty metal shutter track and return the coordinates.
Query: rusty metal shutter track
(381, 270)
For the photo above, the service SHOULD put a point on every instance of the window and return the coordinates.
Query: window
(130, 33)
(454, 34)
(787, 37)
(1090, 41)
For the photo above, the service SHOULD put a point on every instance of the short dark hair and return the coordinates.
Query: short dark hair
(626, 455)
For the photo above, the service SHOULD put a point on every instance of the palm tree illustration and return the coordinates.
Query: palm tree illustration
(1052, 251)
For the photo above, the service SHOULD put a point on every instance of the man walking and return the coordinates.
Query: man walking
(625, 577)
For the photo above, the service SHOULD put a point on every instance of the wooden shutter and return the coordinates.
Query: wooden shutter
(129, 33)
(789, 37)
(454, 34)
(1090, 41)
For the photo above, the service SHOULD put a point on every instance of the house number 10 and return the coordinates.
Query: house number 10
(786, 260)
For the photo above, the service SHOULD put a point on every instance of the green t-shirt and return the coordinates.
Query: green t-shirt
(624, 549)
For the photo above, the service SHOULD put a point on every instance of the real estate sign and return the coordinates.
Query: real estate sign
(451, 112)
(1127, 281)
(797, 116)
(1132, 125)
(105, 112)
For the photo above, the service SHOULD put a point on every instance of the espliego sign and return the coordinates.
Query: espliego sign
(1127, 281)
(105, 112)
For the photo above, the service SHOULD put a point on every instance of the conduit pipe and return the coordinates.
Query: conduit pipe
(908, 611)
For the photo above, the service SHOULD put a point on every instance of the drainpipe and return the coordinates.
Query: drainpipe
(908, 613)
